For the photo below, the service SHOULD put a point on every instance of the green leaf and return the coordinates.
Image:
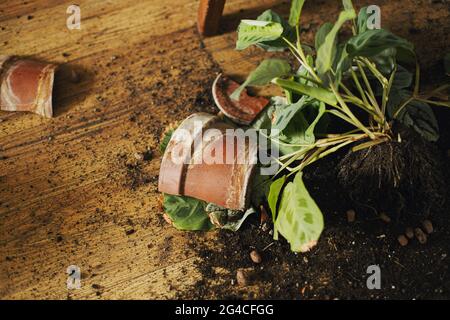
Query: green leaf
(309, 133)
(362, 20)
(385, 60)
(264, 119)
(165, 140)
(187, 213)
(300, 129)
(252, 32)
(284, 115)
(417, 115)
(320, 94)
(234, 223)
(321, 34)
(348, 5)
(288, 32)
(299, 219)
(326, 52)
(260, 188)
(274, 193)
(403, 78)
(296, 11)
(373, 42)
(263, 74)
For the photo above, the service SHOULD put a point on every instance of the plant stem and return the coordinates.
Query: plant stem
(350, 114)
(302, 59)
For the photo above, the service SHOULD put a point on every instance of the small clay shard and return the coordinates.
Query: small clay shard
(242, 111)
(26, 85)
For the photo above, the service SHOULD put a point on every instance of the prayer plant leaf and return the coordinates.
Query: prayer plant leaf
(272, 199)
(362, 20)
(274, 193)
(252, 32)
(299, 219)
(288, 32)
(320, 94)
(284, 115)
(372, 42)
(263, 74)
(326, 52)
(321, 34)
(296, 11)
(187, 213)
(416, 114)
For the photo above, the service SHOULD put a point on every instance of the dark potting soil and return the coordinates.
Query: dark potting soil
(338, 266)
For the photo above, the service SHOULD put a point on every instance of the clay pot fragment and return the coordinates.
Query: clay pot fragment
(223, 180)
(26, 85)
(242, 111)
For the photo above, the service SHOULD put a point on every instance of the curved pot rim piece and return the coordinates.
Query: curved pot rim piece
(243, 111)
(223, 184)
(26, 85)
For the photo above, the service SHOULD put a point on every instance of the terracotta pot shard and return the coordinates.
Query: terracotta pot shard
(243, 111)
(224, 183)
(26, 85)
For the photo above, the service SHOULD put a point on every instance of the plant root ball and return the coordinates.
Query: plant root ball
(405, 177)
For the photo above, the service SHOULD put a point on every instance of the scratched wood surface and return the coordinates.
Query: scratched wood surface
(71, 189)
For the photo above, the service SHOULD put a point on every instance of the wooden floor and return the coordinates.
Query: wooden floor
(71, 190)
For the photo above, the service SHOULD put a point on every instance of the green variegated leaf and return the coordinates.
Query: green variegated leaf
(299, 219)
(187, 213)
(252, 32)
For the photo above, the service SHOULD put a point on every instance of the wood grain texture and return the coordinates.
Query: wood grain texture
(71, 190)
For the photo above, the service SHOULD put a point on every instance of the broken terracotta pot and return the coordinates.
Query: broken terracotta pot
(26, 85)
(184, 170)
(242, 111)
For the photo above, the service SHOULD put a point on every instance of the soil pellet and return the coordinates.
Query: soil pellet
(255, 256)
(427, 226)
(385, 218)
(351, 215)
(409, 233)
(241, 278)
(420, 235)
(403, 240)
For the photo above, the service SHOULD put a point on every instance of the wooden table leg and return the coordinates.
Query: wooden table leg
(209, 14)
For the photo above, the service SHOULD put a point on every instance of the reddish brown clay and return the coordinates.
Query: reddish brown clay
(220, 182)
(243, 111)
(26, 85)
(209, 14)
